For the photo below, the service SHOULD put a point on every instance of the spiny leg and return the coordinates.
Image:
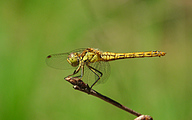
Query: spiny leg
(82, 71)
(81, 66)
(75, 72)
(94, 71)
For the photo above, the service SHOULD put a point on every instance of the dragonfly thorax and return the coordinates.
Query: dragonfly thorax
(90, 57)
(73, 59)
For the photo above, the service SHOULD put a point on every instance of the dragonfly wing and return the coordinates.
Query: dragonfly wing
(79, 50)
(58, 61)
(90, 77)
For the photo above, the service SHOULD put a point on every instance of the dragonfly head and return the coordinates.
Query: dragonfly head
(73, 59)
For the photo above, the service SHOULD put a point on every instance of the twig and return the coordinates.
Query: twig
(81, 86)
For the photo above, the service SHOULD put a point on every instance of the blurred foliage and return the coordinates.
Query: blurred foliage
(32, 29)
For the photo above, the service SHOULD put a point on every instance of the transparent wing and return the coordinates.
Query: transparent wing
(79, 50)
(59, 61)
(90, 77)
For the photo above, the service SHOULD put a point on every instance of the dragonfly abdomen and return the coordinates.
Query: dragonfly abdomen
(108, 56)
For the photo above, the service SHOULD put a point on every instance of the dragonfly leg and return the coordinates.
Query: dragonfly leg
(75, 72)
(81, 66)
(82, 71)
(94, 71)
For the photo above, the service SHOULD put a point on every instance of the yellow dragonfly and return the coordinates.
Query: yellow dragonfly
(93, 63)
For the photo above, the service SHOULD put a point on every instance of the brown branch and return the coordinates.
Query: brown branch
(81, 86)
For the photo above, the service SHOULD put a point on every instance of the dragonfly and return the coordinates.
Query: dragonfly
(92, 64)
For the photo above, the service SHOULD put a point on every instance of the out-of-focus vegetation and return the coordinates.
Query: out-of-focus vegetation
(32, 29)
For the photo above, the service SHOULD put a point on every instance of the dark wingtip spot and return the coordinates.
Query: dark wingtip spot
(49, 56)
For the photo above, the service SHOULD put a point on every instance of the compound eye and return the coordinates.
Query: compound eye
(73, 59)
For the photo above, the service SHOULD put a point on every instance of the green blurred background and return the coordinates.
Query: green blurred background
(32, 29)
